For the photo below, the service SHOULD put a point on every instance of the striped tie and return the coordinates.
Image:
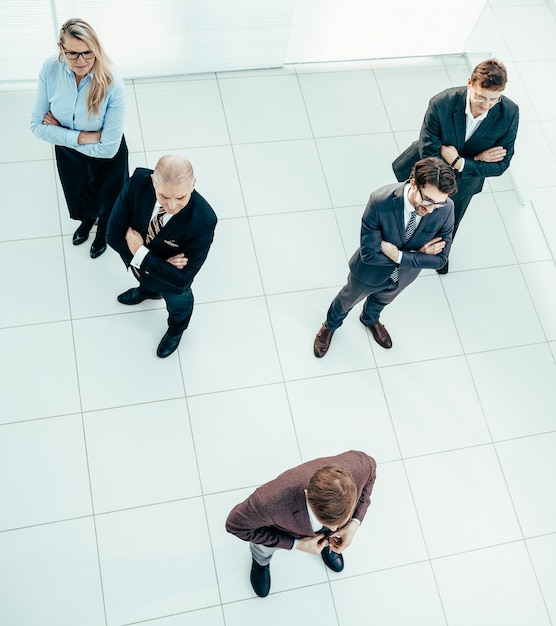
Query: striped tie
(409, 230)
(155, 225)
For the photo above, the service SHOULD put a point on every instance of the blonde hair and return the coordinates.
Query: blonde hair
(102, 75)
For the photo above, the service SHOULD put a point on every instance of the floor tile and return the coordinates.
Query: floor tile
(47, 278)
(450, 418)
(281, 177)
(382, 592)
(51, 572)
(528, 464)
(141, 454)
(343, 103)
(200, 617)
(55, 388)
(356, 165)
(296, 319)
(492, 308)
(132, 131)
(501, 376)
(223, 343)
(532, 173)
(249, 460)
(298, 251)
(476, 509)
(420, 324)
(41, 203)
(231, 269)
(531, 30)
(350, 412)
(154, 561)
(541, 282)
(181, 114)
(122, 348)
(46, 464)
(290, 569)
(312, 605)
(479, 588)
(265, 108)
(542, 551)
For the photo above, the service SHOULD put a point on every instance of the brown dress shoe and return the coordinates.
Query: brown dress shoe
(381, 335)
(322, 341)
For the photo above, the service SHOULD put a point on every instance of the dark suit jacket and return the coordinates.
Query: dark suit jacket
(444, 124)
(276, 513)
(383, 219)
(190, 231)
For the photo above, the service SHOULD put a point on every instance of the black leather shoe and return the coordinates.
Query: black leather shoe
(168, 344)
(82, 233)
(97, 249)
(333, 560)
(443, 270)
(322, 341)
(380, 334)
(134, 296)
(260, 579)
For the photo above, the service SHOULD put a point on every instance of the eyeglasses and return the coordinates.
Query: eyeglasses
(72, 56)
(429, 202)
(482, 100)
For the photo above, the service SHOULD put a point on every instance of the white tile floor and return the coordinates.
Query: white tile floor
(117, 469)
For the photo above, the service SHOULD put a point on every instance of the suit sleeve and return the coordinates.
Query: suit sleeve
(430, 136)
(372, 236)
(364, 501)
(251, 521)
(119, 221)
(197, 252)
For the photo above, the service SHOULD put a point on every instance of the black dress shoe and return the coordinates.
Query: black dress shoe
(168, 344)
(97, 248)
(82, 233)
(380, 334)
(333, 560)
(135, 296)
(443, 270)
(322, 341)
(260, 579)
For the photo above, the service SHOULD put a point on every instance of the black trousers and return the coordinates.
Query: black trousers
(91, 185)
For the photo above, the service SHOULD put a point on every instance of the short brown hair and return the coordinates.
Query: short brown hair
(490, 74)
(435, 172)
(332, 494)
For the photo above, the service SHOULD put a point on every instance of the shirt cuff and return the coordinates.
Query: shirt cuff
(462, 161)
(139, 257)
(400, 255)
(354, 519)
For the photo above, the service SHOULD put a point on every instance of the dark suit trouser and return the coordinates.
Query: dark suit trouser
(91, 186)
(180, 308)
(377, 298)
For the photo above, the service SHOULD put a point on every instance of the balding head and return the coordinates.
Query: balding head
(173, 170)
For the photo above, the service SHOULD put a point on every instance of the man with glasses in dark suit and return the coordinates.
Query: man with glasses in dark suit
(473, 129)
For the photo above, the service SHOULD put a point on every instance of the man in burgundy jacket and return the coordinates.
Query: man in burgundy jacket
(316, 507)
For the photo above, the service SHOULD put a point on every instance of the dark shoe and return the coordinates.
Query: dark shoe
(260, 579)
(379, 333)
(97, 248)
(333, 560)
(82, 233)
(134, 296)
(322, 341)
(443, 270)
(168, 344)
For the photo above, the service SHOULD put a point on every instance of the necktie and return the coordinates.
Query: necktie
(155, 225)
(409, 230)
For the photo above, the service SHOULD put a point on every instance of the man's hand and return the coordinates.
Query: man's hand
(133, 239)
(492, 155)
(342, 538)
(434, 246)
(390, 250)
(178, 260)
(312, 545)
(450, 154)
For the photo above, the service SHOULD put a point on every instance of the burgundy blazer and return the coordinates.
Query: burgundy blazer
(276, 513)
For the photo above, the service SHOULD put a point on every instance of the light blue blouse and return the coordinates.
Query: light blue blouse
(58, 93)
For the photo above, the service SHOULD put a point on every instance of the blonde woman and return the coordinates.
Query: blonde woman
(80, 108)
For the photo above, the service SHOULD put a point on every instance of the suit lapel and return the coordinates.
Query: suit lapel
(458, 118)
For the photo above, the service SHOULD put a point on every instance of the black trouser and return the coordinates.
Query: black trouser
(91, 185)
